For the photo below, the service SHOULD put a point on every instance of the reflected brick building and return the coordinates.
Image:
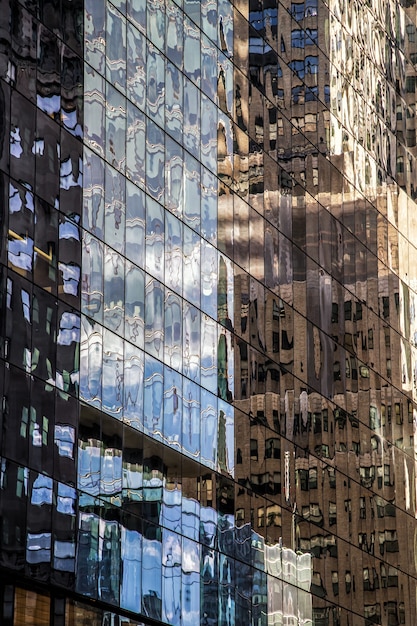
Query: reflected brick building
(207, 329)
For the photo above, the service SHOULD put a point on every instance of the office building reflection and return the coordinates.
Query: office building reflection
(207, 355)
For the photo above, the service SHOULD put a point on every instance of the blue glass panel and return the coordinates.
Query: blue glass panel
(190, 596)
(209, 205)
(174, 193)
(174, 34)
(153, 397)
(130, 584)
(114, 297)
(134, 304)
(173, 253)
(174, 102)
(154, 241)
(115, 208)
(209, 429)
(115, 128)
(171, 578)
(87, 554)
(136, 66)
(209, 353)
(155, 161)
(91, 361)
(135, 224)
(93, 194)
(191, 341)
(173, 407)
(226, 590)
(192, 192)
(209, 132)
(156, 22)
(152, 572)
(191, 268)
(109, 561)
(116, 48)
(135, 145)
(173, 330)
(192, 121)
(94, 33)
(154, 317)
(155, 85)
(112, 374)
(94, 112)
(209, 277)
(191, 419)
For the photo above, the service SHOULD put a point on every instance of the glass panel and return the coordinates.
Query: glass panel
(192, 122)
(112, 393)
(192, 186)
(209, 140)
(115, 209)
(154, 317)
(91, 348)
(155, 238)
(131, 553)
(136, 10)
(192, 50)
(155, 161)
(93, 194)
(209, 279)
(136, 57)
(116, 48)
(94, 110)
(134, 304)
(155, 84)
(191, 419)
(115, 128)
(191, 267)
(209, 432)
(174, 33)
(31, 607)
(173, 407)
(114, 297)
(153, 397)
(209, 185)
(173, 330)
(135, 224)
(151, 571)
(173, 253)
(156, 22)
(133, 386)
(174, 102)
(174, 193)
(77, 614)
(190, 597)
(109, 557)
(171, 577)
(94, 25)
(135, 145)
(191, 342)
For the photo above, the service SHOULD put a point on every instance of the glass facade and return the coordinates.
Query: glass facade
(208, 291)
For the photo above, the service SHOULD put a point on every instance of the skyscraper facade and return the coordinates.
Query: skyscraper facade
(208, 292)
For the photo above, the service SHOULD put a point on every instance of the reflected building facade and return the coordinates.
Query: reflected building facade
(207, 330)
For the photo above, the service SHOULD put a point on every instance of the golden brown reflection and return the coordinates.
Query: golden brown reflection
(80, 615)
(31, 608)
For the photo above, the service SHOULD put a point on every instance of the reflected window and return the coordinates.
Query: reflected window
(301, 38)
(64, 440)
(272, 448)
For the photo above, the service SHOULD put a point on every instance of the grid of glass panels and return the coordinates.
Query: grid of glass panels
(208, 309)
(152, 344)
(157, 344)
